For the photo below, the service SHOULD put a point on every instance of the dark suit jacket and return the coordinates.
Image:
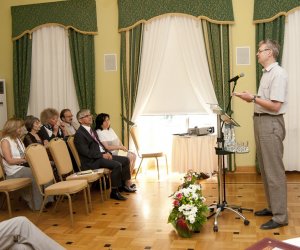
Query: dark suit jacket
(88, 149)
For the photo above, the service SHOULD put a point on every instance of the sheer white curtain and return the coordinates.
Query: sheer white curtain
(52, 83)
(174, 75)
(189, 34)
(155, 40)
(291, 62)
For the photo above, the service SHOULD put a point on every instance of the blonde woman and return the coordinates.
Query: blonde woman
(15, 165)
(51, 126)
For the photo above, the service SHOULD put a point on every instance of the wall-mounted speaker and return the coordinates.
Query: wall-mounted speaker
(243, 55)
(110, 62)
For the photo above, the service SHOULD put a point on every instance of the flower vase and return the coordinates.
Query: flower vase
(182, 228)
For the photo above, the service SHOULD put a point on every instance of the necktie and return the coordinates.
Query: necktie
(102, 147)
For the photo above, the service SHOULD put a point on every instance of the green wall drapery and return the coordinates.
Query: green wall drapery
(78, 14)
(268, 10)
(216, 39)
(75, 15)
(83, 67)
(21, 74)
(133, 12)
(273, 30)
(217, 48)
(131, 42)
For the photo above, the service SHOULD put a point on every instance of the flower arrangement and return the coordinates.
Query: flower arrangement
(189, 212)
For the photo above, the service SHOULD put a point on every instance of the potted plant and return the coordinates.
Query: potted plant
(189, 212)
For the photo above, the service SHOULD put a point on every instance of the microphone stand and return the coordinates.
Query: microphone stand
(221, 152)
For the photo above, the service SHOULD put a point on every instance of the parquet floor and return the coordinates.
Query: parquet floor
(141, 221)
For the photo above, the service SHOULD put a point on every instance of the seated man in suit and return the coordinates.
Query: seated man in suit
(94, 155)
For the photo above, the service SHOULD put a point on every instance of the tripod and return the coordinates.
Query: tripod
(221, 205)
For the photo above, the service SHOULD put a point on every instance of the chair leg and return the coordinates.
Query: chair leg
(85, 199)
(8, 204)
(42, 208)
(138, 168)
(89, 196)
(71, 208)
(157, 166)
(167, 165)
(101, 189)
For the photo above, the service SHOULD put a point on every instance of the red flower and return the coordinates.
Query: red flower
(176, 203)
(179, 196)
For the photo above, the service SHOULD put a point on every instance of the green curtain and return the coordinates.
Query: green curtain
(217, 47)
(78, 14)
(80, 18)
(273, 30)
(133, 12)
(22, 49)
(83, 66)
(216, 37)
(268, 10)
(131, 42)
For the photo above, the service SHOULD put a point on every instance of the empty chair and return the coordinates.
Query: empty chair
(145, 155)
(78, 162)
(63, 163)
(37, 157)
(10, 185)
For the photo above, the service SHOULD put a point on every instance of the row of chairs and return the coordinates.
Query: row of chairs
(70, 182)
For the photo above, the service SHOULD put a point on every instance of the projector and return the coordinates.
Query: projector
(201, 131)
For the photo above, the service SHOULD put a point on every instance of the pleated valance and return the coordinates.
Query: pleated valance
(133, 12)
(77, 14)
(268, 10)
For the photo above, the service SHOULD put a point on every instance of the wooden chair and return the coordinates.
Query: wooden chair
(38, 160)
(74, 151)
(10, 185)
(60, 154)
(145, 155)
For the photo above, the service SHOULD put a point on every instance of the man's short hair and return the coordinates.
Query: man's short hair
(81, 113)
(62, 113)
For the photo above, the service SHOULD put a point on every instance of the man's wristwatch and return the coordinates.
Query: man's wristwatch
(254, 98)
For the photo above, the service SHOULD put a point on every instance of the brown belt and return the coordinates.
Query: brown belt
(265, 114)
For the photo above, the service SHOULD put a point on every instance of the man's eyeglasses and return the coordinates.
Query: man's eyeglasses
(262, 50)
(85, 116)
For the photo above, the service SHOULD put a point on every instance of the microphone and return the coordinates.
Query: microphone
(233, 79)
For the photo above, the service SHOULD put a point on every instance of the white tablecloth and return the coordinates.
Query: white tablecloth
(194, 152)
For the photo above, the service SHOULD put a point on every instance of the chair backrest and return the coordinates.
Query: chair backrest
(74, 151)
(135, 137)
(60, 154)
(37, 157)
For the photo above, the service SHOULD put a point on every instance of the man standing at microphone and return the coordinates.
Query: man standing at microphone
(269, 129)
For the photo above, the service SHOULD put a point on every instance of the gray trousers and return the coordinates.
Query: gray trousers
(269, 135)
(21, 233)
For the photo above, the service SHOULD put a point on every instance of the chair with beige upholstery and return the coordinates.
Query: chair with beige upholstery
(144, 155)
(10, 185)
(60, 154)
(74, 151)
(37, 157)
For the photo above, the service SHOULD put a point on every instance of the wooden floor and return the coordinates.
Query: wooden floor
(141, 221)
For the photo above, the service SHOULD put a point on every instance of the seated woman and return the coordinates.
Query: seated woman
(110, 139)
(15, 165)
(33, 126)
(51, 127)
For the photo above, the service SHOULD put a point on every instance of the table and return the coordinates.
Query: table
(194, 152)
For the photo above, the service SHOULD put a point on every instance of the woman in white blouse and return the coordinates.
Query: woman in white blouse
(15, 165)
(110, 139)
